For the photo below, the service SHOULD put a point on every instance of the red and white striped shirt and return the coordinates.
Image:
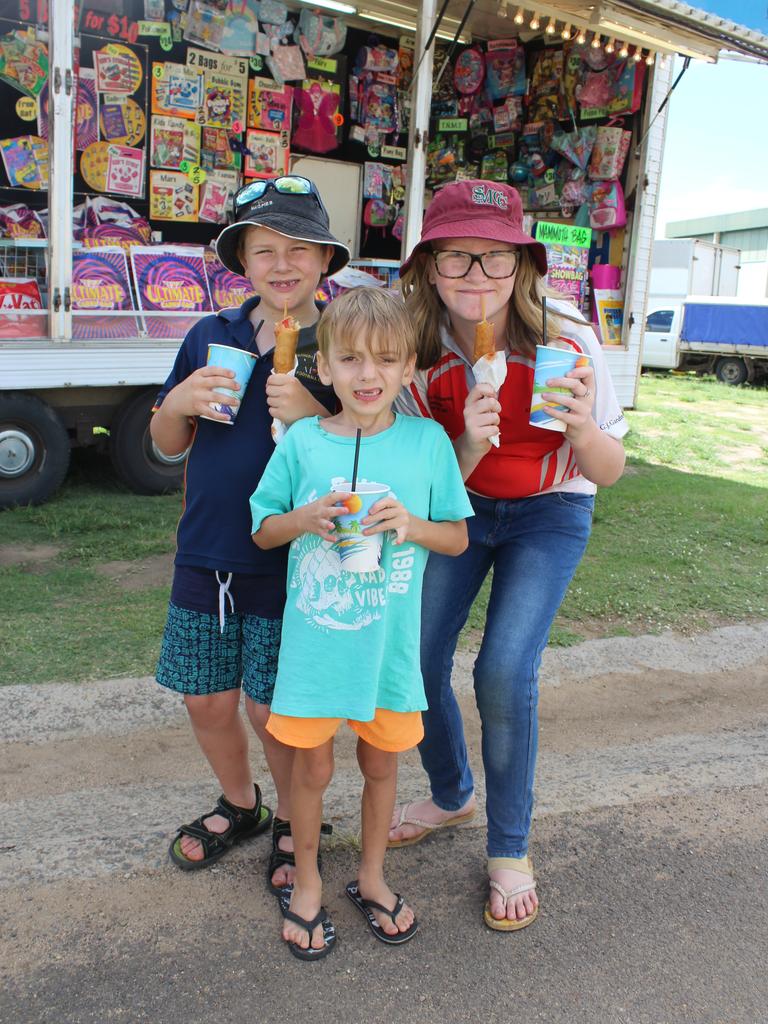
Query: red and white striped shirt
(529, 459)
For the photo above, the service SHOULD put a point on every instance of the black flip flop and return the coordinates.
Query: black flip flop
(322, 917)
(281, 858)
(244, 823)
(366, 908)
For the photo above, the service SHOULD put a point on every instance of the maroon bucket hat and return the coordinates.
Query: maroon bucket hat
(477, 209)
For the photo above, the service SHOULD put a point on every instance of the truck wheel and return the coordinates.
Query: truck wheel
(136, 460)
(731, 371)
(34, 450)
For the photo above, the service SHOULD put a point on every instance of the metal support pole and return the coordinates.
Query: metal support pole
(418, 133)
(61, 106)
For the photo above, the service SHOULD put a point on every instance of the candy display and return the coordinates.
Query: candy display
(190, 99)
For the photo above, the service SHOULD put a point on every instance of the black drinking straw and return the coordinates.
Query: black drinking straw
(357, 456)
(544, 319)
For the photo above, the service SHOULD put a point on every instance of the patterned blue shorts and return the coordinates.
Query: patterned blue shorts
(197, 658)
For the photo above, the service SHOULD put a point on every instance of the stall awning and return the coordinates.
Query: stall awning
(662, 26)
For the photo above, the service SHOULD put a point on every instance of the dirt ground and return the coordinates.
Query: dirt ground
(649, 836)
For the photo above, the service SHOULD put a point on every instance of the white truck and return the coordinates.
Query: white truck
(710, 334)
(682, 268)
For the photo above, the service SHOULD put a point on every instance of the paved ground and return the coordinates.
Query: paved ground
(650, 838)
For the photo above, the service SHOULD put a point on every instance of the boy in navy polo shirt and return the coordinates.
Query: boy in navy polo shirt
(226, 605)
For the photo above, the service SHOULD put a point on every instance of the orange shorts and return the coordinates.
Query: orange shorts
(390, 730)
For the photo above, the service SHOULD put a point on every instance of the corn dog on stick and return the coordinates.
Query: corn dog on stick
(286, 339)
(485, 343)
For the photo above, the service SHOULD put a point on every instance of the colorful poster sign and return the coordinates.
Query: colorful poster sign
(100, 282)
(227, 289)
(174, 140)
(176, 90)
(172, 196)
(170, 279)
(567, 258)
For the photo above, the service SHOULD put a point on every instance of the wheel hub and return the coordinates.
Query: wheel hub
(17, 453)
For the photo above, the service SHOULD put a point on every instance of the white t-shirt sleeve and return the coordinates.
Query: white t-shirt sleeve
(412, 401)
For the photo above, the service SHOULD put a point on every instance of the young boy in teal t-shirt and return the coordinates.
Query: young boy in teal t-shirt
(350, 639)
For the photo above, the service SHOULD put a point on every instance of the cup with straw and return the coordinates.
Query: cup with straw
(551, 361)
(358, 552)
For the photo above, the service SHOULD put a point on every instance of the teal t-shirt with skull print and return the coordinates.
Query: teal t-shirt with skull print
(350, 641)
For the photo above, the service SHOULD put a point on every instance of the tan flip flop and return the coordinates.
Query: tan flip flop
(505, 924)
(406, 819)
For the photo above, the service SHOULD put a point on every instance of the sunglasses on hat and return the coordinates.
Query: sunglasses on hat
(287, 185)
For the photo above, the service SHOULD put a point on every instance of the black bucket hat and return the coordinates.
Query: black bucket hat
(291, 213)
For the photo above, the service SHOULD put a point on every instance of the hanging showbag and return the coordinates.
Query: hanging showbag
(576, 145)
(319, 35)
(377, 58)
(287, 64)
(618, 89)
(609, 152)
(469, 71)
(272, 12)
(606, 206)
(505, 72)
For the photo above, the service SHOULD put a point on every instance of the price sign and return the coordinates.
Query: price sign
(256, 63)
(26, 108)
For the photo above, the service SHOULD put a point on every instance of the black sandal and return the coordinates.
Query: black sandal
(243, 824)
(282, 858)
(322, 917)
(366, 908)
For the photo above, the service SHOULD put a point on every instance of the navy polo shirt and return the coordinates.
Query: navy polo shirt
(225, 463)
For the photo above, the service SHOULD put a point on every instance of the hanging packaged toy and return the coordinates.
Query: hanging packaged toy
(469, 71)
(505, 71)
(320, 35)
(317, 108)
(494, 166)
(606, 206)
(610, 152)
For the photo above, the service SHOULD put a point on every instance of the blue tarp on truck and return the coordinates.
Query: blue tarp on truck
(721, 324)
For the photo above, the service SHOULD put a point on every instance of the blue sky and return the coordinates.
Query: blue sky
(716, 150)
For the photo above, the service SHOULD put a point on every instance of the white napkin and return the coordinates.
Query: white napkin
(492, 371)
(279, 429)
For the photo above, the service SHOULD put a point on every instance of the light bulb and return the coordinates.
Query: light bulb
(595, 44)
(581, 37)
(637, 56)
(566, 33)
(609, 47)
(551, 27)
(649, 59)
(624, 51)
(534, 22)
(519, 17)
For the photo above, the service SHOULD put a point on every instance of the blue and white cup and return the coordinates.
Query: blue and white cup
(241, 363)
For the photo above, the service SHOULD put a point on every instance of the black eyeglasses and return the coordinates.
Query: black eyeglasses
(497, 265)
(287, 185)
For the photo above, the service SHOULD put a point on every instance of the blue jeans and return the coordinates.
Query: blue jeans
(534, 546)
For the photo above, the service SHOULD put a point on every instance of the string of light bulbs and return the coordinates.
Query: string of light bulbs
(522, 17)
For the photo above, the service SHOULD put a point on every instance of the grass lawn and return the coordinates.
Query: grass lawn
(681, 541)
